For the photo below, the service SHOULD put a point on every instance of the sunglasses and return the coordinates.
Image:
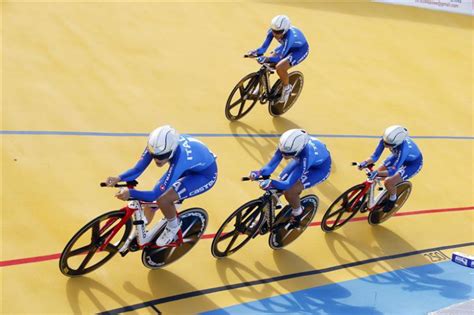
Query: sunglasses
(161, 157)
(289, 154)
(277, 32)
(388, 144)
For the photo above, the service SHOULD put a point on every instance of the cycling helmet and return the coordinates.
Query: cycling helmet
(162, 142)
(281, 24)
(395, 135)
(293, 142)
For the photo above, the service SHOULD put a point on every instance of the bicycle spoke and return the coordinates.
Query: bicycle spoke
(95, 231)
(227, 235)
(241, 108)
(235, 103)
(88, 258)
(81, 250)
(232, 241)
(338, 211)
(338, 218)
(110, 248)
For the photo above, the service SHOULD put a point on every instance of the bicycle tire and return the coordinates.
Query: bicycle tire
(341, 210)
(275, 108)
(91, 249)
(254, 209)
(403, 192)
(193, 224)
(282, 236)
(253, 82)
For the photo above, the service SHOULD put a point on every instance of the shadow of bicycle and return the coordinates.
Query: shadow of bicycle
(78, 289)
(355, 246)
(230, 269)
(260, 148)
(165, 284)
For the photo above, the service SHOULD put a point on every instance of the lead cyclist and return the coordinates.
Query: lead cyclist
(293, 50)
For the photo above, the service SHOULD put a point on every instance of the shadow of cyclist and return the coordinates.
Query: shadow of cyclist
(165, 284)
(78, 289)
(415, 279)
(243, 274)
(308, 300)
(259, 144)
(379, 241)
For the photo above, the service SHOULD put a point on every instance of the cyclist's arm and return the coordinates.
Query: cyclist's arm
(165, 182)
(138, 169)
(262, 49)
(294, 176)
(283, 51)
(272, 165)
(377, 153)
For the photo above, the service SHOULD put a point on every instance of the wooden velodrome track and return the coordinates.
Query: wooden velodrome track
(83, 83)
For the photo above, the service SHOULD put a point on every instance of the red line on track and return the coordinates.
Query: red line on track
(28, 260)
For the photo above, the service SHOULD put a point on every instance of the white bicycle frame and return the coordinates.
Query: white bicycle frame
(376, 183)
(139, 221)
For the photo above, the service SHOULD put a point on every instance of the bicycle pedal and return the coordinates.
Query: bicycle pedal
(124, 253)
(133, 246)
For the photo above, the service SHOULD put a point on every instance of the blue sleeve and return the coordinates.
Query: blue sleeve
(378, 152)
(266, 43)
(285, 48)
(294, 176)
(165, 182)
(138, 169)
(272, 165)
(401, 157)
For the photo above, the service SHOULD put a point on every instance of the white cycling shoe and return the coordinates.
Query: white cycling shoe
(168, 235)
(285, 94)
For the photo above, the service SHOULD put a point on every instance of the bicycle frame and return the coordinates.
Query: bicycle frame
(135, 209)
(369, 188)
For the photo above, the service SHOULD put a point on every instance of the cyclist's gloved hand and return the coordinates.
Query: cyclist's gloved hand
(373, 174)
(252, 53)
(363, 164)
(262, 59)
(254, 174)
(123, 194)
(266, 184)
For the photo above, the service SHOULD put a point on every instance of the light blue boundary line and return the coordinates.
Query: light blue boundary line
(209, 135)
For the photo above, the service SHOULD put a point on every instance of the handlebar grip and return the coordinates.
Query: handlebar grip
(355, 163)
(132, 183)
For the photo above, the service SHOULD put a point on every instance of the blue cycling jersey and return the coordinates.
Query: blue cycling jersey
(402, 154)
(314, 154)
(191, 156)
(292, 39)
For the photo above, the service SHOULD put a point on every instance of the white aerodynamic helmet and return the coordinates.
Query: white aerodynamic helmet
(162, 142)
(281, 24)
(395, 135)
(293, 141)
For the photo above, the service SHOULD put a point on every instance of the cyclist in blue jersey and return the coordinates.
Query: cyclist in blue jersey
(293, 50)
(404, 162)
(310, 165)
(192, 171)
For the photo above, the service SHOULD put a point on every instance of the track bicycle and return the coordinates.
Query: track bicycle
(123, 231)
(362, 198)
(256, 87)
(257, 217)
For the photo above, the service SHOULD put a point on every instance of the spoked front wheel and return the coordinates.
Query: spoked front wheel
(403, 192)
(243, 97)
(238, 229)
(344, 208)
(193, 225)
(276, 108)
(283, 234)
(82, 255)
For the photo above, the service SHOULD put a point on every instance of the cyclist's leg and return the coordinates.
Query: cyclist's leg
(317, 174)
(188, 186)
(282, 70)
